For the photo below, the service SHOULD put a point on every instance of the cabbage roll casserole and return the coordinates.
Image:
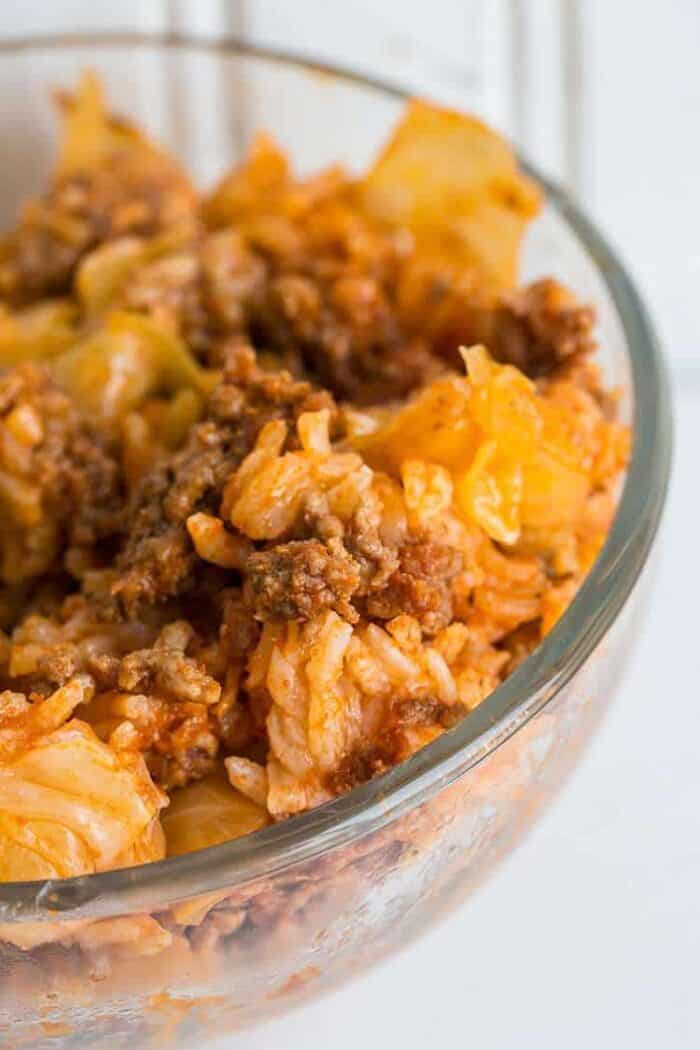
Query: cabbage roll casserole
(293, 474)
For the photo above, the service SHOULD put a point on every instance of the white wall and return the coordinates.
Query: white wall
(642, 164)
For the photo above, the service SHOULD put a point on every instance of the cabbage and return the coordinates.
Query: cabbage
(93, 138)
(112, 372)
(71, 805)
(207, 812)
(39, 331)
(455, 184)
(104, 271)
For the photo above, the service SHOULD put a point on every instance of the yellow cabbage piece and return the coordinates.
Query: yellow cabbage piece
(179, 415)
(491, 492)
(40, 331)
(207, 812)
(89, 135)
(112, 372)
(103, 272)
(528, 471)
(435, 426)
(71, 805)
(259, 183)
(514, 459)
(455, 184)
(92, 136)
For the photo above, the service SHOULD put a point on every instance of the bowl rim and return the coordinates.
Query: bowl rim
(534, 684)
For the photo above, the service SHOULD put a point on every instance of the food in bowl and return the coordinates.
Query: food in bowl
(293, 475)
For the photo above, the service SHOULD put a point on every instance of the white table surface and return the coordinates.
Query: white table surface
(589, 935)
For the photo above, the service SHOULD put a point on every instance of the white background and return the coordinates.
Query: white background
(590, 934)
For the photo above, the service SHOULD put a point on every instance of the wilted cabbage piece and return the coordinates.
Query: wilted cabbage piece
(208, 812)
(433, 425)
(455, 184)
(259, 182)
(39, 331)
(110, 181)
(92, 136)
(70, 804)
(514, 461)
(103, 273)
(111, 372)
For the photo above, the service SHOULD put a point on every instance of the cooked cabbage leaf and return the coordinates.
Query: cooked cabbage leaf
(207, 812)
(111, 372)
(71, 805)
(455, 184)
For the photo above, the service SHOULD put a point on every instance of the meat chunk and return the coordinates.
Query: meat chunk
(205, 291)
(110, 181)
(363, 540)
(83, 210)
(425, 712)
(540, 327)
(347, 333)
(169, 673)
(297, 580)
(359, 767)
(419, 587)
(157, 560)
(59, 480)
(233, 279)
(169, 290)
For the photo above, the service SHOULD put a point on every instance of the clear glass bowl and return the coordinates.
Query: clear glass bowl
(170, 953)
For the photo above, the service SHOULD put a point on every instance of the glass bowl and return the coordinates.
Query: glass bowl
(170, 953)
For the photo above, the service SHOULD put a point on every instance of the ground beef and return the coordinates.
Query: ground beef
(173, 699)
(297, 580)
(419, 587)
(157, 560)
(238, 632)
(55, 664)
(131, 193)
(347, 334)
(359, 767)
(178, 739)
(169, 290)
(206, 292)
(92, 479)
(173, 765)
(60, 479)
(169, 673)
(425, 712)
(233, 280)
(540, 327)
(362, 539)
